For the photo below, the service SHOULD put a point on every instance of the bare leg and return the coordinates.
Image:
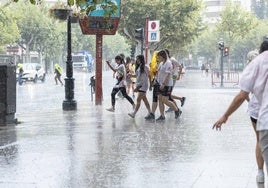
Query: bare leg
(259, 158)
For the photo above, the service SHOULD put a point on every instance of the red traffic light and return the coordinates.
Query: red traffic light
(226, 51)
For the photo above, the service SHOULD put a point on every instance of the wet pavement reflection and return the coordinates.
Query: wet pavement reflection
(92, 147)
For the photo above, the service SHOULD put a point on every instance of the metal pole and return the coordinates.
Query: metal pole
(221, 67)
(146, 40)
(98, 74)
(69, 103)
(142, 40)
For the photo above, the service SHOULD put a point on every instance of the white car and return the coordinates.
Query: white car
(32, 72)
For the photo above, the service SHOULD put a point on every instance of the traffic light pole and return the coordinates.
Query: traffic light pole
(221, 67)
(146, 40)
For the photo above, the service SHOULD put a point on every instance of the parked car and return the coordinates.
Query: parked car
(32, 72)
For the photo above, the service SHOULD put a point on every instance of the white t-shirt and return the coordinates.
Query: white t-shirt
(163, 70)
(255, 79)
(175, 64)
(253, 107)
(121, 71)
(142, 78)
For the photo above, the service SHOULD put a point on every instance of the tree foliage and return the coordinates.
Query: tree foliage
(9, 30)
(240, 30)
(180, 21)
(235, 22)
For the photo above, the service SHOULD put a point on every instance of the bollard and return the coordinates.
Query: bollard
(7, 94)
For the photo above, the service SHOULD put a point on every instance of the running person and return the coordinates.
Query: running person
(153, 85)
(164, 78)
(175, 76)
(58, 73)
(120, 73)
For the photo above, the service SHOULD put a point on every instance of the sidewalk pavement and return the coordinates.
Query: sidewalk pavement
(91, 147)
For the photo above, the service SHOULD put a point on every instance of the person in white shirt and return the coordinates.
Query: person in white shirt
(142, 84)
(120, 85)
(254, 79)
(164, 78)
(253, 111)
(175, 76)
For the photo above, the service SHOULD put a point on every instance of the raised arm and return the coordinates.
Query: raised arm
(111, 67)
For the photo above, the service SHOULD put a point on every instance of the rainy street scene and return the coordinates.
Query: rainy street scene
(92, 147)
(133, 94)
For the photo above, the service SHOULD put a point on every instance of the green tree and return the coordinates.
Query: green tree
(235, 24)
(206, 46)
(9, 30)
(180, 21)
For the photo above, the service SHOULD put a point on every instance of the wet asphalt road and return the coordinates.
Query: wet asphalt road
(92, 147)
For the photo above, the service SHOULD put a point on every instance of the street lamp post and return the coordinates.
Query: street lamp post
(69, 103)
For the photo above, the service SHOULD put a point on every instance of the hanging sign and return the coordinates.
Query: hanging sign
(97, 23)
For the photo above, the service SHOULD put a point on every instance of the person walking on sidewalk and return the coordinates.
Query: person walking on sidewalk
(153, 85)
(130, 72)
(175, 75)
(58, 73)
(120, 73)
(164, 78)
(142, 84)
(254, 80)
(253, 110)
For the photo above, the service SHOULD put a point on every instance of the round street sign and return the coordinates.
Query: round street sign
(153, 25)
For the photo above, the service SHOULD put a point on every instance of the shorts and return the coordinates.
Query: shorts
(253, 120)
(166, 91)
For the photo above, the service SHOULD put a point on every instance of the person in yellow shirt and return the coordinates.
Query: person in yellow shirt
(58, 73)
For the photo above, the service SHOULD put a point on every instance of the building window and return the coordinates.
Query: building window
(213, 3)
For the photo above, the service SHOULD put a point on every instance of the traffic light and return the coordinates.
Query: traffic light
(221, 45)
(139, 33)
(226, 51)
(132, 51)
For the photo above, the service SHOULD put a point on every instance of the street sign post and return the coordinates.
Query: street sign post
(153, 31)
(97, 24)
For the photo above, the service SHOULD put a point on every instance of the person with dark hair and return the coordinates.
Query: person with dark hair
(120, 73)
(175, 74)
(142, 84)
(254, 79)
(164, 78)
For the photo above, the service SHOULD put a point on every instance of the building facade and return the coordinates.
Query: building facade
(215, 7)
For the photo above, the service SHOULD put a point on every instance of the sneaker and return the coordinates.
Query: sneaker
(169, 110)
(161, 118)
(131, 115)
(150, 117)
(183, 99)
(260, 177)
(178, 113)
(110, 109)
